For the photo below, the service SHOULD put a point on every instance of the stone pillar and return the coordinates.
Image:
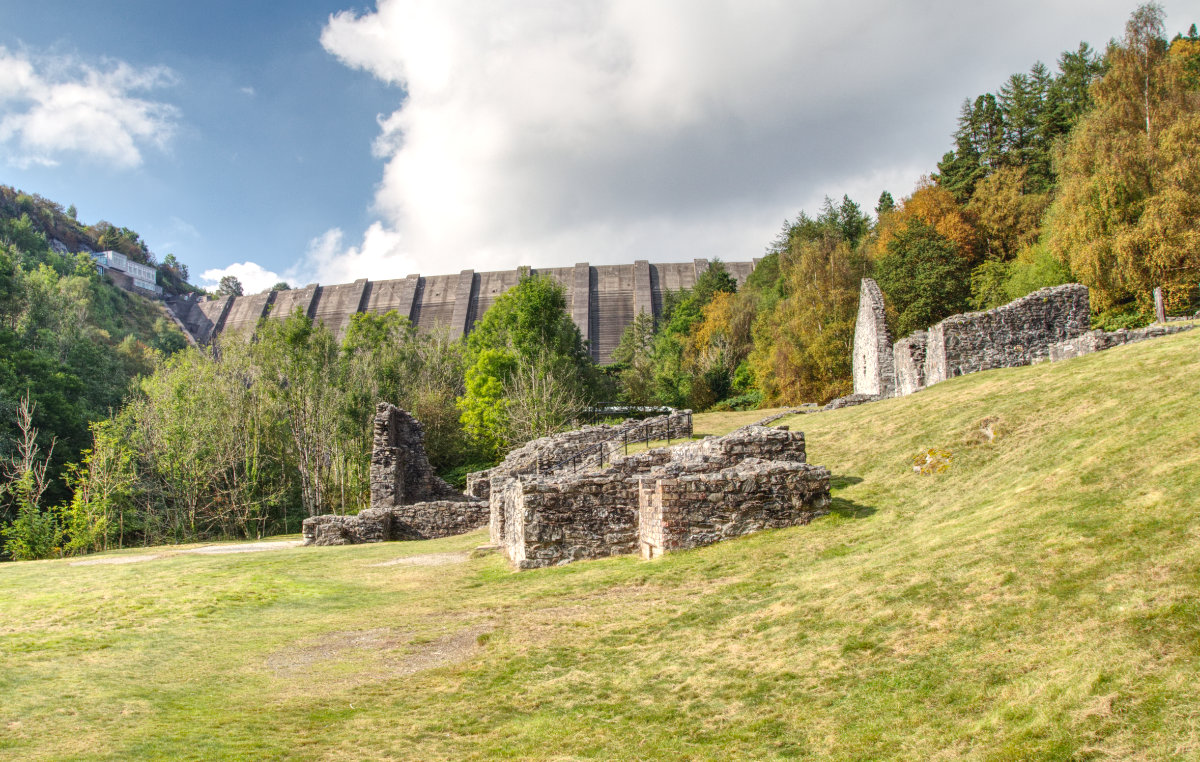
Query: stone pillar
(460, 323)
(701, 266)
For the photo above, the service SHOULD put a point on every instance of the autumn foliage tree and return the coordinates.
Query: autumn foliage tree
(1127, 217)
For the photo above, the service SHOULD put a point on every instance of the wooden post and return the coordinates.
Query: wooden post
(1160, 308)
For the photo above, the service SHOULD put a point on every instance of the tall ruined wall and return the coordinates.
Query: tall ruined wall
(408, 500)
(874, 371)
(602, 300)
(400, 470)
(1018, 333)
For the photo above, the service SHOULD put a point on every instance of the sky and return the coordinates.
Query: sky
(320, 141)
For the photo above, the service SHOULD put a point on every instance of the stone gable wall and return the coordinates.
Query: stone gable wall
(400, 469)
(874, 373)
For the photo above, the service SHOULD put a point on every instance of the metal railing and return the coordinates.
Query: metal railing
(603, 450)
(603, 410)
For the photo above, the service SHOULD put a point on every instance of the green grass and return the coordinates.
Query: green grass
(1038, 600)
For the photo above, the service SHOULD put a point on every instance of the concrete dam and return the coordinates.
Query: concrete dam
(602, 299)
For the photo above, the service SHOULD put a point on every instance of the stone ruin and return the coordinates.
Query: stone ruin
(653, 502)
(1096, 341)
(874, 368)
(1049, 324)
(541, 456)
(659, 500)
(408, 500)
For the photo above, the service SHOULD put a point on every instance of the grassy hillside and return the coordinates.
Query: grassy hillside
(1039, 599)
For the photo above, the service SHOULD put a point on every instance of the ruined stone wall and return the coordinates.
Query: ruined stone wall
(557, 521)
(874, 373)
(1018, 333)
(417, 521)
(546, 521)
(408, 500)
(909, 356)
(1095, 341)
(751, 442)
(540, 455)
(507, 506)
(400, 470)
(683, 508)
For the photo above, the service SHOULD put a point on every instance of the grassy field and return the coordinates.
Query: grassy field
(1039, 599)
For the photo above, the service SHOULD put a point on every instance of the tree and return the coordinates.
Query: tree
(1127, 216)
(229, 286)
(804, 328)
(1005, 216)
(529, 324)
(541, 397)
(35, 533)
(281, 286)
(885, 205)
(923, 277)
(978, 146)
(635, 356)
(933, 205)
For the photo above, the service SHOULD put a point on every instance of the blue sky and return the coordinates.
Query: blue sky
(271, 144)
(322, 141)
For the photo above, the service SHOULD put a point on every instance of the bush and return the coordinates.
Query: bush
(748, 401)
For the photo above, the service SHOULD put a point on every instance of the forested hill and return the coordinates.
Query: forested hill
(70, 341)
(28, 214)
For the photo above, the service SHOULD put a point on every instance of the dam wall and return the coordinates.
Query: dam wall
(601, 299)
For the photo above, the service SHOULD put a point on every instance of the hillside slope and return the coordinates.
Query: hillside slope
(1039, 599)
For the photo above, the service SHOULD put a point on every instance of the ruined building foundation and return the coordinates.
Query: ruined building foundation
(408, 500)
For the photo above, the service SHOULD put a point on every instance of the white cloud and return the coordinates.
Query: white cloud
(546, 133)
(329, 260)
(253, 277)
(52, 107)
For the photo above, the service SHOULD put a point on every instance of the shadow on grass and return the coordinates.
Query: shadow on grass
(848, 509)
(841, 482)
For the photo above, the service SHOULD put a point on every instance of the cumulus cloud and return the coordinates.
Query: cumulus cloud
(51, 107)
(546, 133)
(253, 277)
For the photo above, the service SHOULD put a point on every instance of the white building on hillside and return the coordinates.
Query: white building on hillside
(140, 276)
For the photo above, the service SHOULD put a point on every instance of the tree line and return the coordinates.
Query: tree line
(1087, 173)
